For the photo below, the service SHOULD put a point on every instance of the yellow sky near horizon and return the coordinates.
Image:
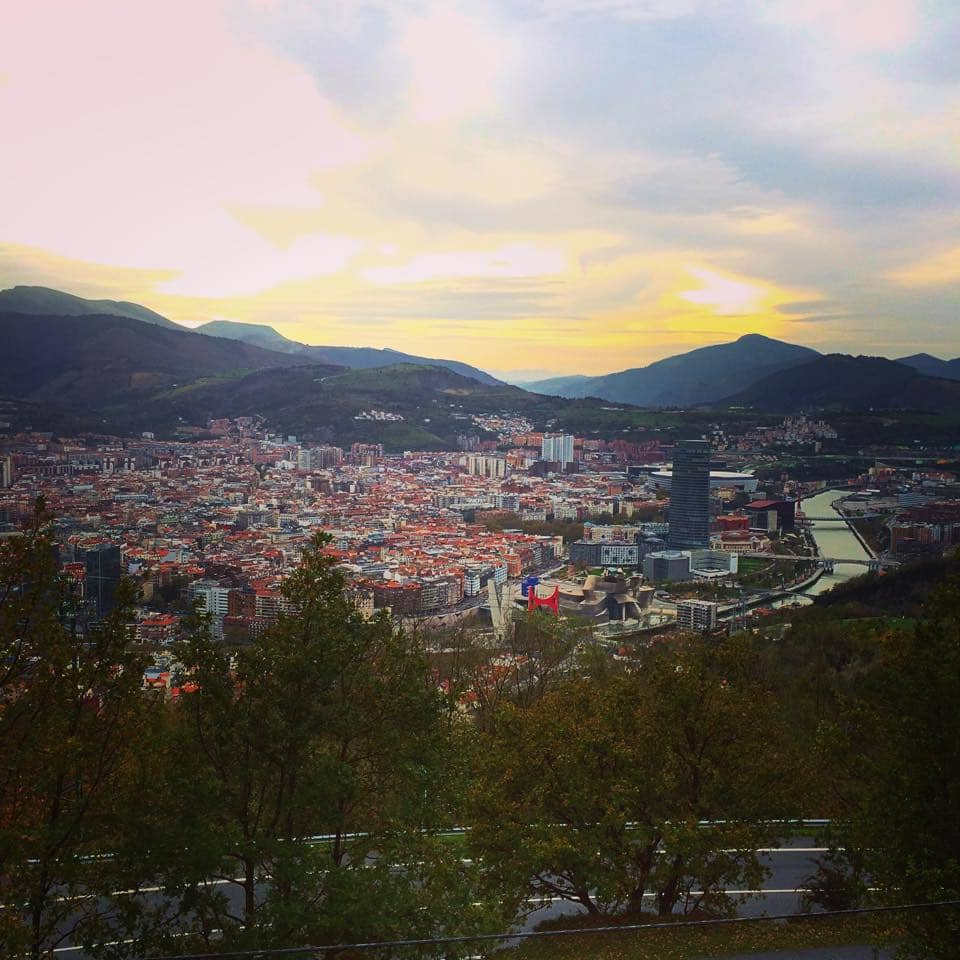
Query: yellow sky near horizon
(681, 305)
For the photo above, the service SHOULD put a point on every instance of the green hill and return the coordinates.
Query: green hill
(838, 382)
(44, 301)
(97, 361)
(323, 403)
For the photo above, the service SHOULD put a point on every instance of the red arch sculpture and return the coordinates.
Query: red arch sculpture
(551, 603)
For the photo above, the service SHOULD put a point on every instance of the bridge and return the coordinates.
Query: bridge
(837, 518)
(872, 563)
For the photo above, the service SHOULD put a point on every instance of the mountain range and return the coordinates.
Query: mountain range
(46, 301)
(933, 366)
(56, 303)
(700, 376)
(710, 374)
(98, 360)
(117, 367)
(119, 375)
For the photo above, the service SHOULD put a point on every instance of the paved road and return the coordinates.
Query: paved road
(789, 865)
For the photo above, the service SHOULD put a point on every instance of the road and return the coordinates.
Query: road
(789, 865)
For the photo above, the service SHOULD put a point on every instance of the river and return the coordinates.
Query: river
(833, 540)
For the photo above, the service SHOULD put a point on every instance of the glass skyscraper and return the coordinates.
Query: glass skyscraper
(690, 496)
(103, 566)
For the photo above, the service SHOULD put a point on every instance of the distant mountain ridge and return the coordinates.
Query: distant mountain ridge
(119, 375)
(98, 360)
(46, 301)
(933, 366)
(840, 382)
(358, 358)
(687, 379)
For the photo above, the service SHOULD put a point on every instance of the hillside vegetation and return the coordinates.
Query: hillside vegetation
(838, 382)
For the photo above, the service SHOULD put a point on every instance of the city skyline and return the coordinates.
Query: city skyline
(573, 187)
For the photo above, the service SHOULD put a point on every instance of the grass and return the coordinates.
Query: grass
(186, 388)
(693, 943)
(750, 565)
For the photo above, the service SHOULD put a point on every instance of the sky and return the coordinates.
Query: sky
(532, 186)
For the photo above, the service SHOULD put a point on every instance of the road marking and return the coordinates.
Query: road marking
(692, 893)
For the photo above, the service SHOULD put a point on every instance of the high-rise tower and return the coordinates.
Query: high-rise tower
(690, 496)
(103, 566)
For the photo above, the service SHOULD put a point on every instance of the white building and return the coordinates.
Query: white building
(557, 448)
(213, 598)
(710, 564)
(700, 616)
(481, 466)
(719, 480)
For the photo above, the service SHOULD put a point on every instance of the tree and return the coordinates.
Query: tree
(69, 702)
(597, 792)
(900, 739)
(532, 656)
(305, 772)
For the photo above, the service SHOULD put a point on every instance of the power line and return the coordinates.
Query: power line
(539, 934)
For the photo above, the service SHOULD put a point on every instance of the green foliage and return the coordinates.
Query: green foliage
(297, 790)
(326, 726)
(596, 791)
(903, 592)
(69, 699)
(568, 529)
(899, 737)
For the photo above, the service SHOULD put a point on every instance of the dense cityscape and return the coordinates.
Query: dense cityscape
(218, 524)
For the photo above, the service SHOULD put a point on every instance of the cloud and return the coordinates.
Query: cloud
(455, 62)
(515, 260)
(725, 295)
(128, 157)
(941, 269)
(633, 10)
(611, 180)
(866, 26)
